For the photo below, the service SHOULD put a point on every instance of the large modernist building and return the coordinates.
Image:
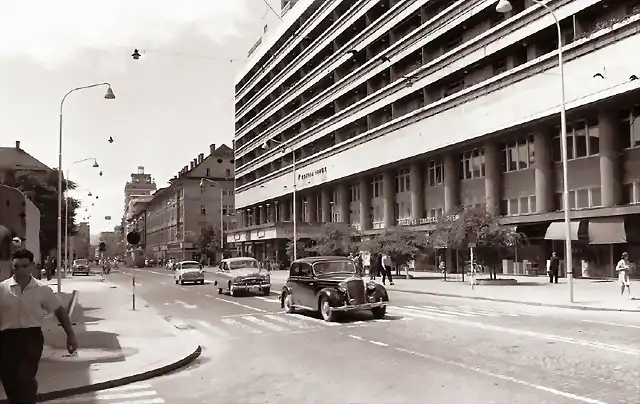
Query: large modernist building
(399, 111)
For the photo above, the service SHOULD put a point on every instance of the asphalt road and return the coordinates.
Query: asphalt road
(428, 349)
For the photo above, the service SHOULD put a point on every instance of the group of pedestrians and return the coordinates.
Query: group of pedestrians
(375, 265)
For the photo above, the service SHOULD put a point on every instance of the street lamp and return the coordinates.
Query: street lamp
(504, 6)
(109, 96)
(66, 212)
(216, 183)
(265, 146)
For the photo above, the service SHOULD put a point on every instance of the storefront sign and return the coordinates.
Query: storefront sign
(309, 175)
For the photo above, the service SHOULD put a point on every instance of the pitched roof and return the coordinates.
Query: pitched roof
(18, 159)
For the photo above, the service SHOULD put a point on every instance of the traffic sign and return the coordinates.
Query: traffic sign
(133, 237)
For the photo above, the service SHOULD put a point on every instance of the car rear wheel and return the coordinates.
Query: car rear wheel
(176, 281)
(288, 303)
(219, 291)
(379, 312)
(266, 291)
(325, 310)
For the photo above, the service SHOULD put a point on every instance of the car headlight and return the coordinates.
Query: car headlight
(342, 287)
(237, 279)
(371, 285)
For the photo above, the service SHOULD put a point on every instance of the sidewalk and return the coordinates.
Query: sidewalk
(116, 344)
(588, 294)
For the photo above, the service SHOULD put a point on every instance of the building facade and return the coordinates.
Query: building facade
(398, 112)
(199, 196)
(81, 242)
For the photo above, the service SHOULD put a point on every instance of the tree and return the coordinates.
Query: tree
(334, 239)
(42, 189)
(477, 225)
(402, 244)
(304, 247)
(209, 241)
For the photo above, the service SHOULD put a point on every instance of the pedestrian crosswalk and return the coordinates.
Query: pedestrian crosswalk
(442, 311)
(137, 393)
(244, 325)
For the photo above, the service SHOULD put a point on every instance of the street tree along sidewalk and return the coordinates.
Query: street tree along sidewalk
(476, 225)
(401, 244)
(334, 239)
(209, 242)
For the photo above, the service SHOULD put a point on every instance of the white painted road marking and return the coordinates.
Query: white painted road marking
(219, 332)
(186, 305)
(131, 397)
(265, 324)
(613, 324)
(234, 323)
(289, 320)
(550, 390)
(315, 320)
(266, 299)
(240, 304)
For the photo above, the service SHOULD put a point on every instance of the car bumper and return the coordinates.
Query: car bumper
(193, 278)
(364, 306)
(83, 270)
(250, 287)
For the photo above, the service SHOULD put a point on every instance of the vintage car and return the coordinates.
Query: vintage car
(241, 274)
(330, 285)
(80, 266)
(188, 271)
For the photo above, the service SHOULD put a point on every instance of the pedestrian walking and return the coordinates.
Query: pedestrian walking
(554, 268)
(624, 269)
(24, 302)
(357, 260)
(366, 264)
(50, 267)
(386, 265)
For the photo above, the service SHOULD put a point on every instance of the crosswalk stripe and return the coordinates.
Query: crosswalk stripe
(315, 320)
(150, 401)
(129, 387)
(268, 299)
(431, 312)
(400, 312)
(264, 324)
(289, 321)
(490, 313)
(219, 332)
(234, 323)
(104, 395)
(441, 311)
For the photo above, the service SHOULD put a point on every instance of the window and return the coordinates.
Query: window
(453, 88)
(203, 210)
(583, 198)
(208, 174)
(435, 213)
(518, 155)
(227, 173)
(472, 164)
(402, 210)
(518, 206)
(501, 65)
(403, 181)
(583, 140)
(354, 193)
(435, 173)
(376, 186)
(629, 128)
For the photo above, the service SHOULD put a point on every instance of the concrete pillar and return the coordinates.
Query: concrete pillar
(325, 204)
(365, 203)
(610, 178)
(272, 208)
(451, 163)
(284, 209)
(251, 220)
(344, 206)
(298, 202)
(417, 193)
(389, 198)
(312, 208)
(492, 183)
(263, 214)
(544, 178)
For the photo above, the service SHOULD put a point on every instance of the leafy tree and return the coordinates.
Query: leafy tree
(209, 241)
(334, 239)
(402, 244)
(42, 189)
(304, 248)
(476, 224)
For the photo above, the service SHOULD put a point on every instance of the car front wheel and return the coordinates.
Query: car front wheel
(325, 310)
(379, 312)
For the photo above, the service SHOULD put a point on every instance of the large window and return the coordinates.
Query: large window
(582, 198)
(376, 186)
(524, 205)
(518, 155)
(435, 173)
(583, 140)
(354, 192)
(403, 181)
(629, 128)
(472, 164)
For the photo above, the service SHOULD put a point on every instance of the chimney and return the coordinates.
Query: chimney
(18, 144)
(212, 148)
(200, 158)
(191, 165)
(195, 162)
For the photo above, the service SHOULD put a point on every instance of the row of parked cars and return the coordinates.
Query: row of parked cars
(328, 285)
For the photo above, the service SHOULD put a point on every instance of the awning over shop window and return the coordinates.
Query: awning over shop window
(555, 231)
(608, 230)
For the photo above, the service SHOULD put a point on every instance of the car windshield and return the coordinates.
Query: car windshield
(240, 264)
(81, 262)
(190, 265)
(332, 267)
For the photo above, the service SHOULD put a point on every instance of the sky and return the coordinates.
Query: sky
(170, 105)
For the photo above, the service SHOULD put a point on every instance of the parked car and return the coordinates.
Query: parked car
(330, 285)
(188, 271)
(241, 274)
(80, 266)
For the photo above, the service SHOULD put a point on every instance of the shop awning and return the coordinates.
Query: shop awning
(555, 231)
(609, 230)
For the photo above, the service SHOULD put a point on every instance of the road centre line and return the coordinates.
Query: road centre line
(613, 324)
(502, 377)
(533, 334)
(240, 304)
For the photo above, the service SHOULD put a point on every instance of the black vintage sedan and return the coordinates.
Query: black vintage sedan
(330, 285)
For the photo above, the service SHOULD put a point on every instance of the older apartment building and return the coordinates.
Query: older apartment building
(399, 111)
(170, 222)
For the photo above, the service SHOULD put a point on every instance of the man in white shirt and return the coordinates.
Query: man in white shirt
(624, 268)
(24, 302)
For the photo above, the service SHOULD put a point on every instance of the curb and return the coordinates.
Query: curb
(54, 395)
(491, 299)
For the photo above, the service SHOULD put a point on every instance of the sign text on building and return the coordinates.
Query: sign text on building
(311, 174)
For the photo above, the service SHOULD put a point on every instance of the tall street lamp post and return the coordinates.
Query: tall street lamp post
(109, 96)
(66, 214)
(265, 146)
(217, 184)
(504, 6)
